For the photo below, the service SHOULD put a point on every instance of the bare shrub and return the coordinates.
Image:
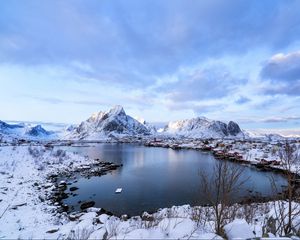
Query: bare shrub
(287, 208)
(34, 152)
(80, 234)
(219, 190)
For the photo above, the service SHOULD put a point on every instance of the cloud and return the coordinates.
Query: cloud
(283, 67)
(53, 100)
(202, 84)
(129, 43)
(197, 108)
(170, 55)
(270, 119)
(283, 73)
(279, 119)
(242, 100)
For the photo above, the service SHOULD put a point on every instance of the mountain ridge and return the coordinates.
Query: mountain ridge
(202, 127)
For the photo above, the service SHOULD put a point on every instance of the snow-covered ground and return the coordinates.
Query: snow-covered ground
(26, 213)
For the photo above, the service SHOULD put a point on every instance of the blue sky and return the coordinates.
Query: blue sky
(60, 61)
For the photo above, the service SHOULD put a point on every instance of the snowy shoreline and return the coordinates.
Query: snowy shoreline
(26, 211)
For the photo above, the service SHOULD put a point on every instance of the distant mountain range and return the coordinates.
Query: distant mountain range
(23, 131)
(115, 123)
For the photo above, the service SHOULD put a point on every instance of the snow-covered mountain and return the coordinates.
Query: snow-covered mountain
(114, 122)
(148, 125)
(202, 127)
(23, 131)
(273, 134)
(257, 134)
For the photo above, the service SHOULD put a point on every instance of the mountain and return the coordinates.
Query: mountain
(37, 131)
(202, 127)
(113, 123)
(148, 125)
(6, 128)
(262, 135)
(23, 131)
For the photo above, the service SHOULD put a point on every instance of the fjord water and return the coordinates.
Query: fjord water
(154, 178)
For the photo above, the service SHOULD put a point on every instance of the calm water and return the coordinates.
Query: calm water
(154, 178)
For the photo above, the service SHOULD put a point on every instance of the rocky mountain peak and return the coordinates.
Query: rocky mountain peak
(117, 110)
(233, 128)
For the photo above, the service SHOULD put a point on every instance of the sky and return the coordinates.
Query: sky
(61, 61)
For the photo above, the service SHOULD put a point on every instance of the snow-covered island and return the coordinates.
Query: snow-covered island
(31, 189)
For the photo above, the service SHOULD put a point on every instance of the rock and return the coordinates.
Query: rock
(62, 187)
(73, 189)
(86, 205)
(147, 217)
(52, 230)
(41, 198)
(62, 183)
(103, 211)
(48, 185)
(65, 207)
(233, 128)
(73, 217)
(18, 205)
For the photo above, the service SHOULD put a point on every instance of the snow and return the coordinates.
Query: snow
(238, 229)
(22, 212)
(118, 190)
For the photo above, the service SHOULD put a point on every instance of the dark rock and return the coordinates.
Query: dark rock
(72, 189)
(18, 205)
(147, 217)
(233, 128)
(219, 127)
(86, 205)
(73, 217)
(41, 199)
(103, 211)
(52, 230)
(65, 207)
